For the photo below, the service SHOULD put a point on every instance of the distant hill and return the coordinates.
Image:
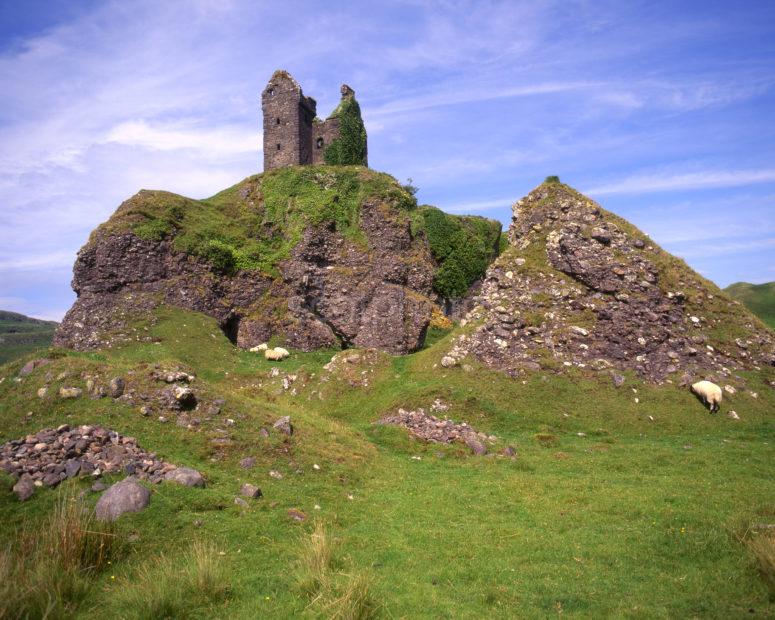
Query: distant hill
(20, 334)
(758, 298)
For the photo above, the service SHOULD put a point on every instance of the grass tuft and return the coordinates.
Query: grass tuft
(176, 587)
(762, 545)
(48, 569)
(333, 594)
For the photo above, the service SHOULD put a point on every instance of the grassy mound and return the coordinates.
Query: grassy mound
(611, 508)
(758, 298)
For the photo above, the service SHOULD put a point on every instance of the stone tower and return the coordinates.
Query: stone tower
(288, 117)
(293, 135)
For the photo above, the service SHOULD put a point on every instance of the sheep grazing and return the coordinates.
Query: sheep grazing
(262, 347)
(709, 393)
(276, 354)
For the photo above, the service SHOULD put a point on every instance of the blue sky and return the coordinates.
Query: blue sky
(663, 112)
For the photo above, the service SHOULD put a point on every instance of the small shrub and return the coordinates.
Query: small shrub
(220, 255)
(552, 179)
(410, 188)
(439, 320)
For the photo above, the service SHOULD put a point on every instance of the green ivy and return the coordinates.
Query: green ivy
(463, 247)
(350, 147)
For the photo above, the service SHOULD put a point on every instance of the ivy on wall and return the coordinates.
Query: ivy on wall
(350, 147)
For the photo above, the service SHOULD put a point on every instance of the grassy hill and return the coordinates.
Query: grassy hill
(758, 298)
(19, 335)
(628, 502)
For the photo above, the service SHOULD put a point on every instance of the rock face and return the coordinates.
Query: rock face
(125, 496)
(332, 290)
(580, 287)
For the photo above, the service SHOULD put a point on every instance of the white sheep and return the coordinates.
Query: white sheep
(276, 354)
(262, 347)
(709, 393)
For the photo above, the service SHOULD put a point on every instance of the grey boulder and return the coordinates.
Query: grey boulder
(186, 476)
(125, 496)
(24, 488)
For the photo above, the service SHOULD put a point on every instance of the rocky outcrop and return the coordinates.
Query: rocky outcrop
(582, 288)
(373, 295)
(331, 291)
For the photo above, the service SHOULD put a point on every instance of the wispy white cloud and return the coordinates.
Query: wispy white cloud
(226, 140)
(479, 206)
(647, 183)
(51, 260)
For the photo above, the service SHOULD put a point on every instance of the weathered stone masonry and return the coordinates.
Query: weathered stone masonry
(293, 135)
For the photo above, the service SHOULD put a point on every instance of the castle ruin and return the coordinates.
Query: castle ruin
(293, 134)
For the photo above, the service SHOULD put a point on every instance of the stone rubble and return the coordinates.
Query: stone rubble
(436, 430)
(52, 455)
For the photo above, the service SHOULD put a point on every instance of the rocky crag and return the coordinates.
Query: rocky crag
(581, 288)
(315, 257)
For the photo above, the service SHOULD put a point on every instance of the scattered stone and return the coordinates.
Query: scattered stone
(509, 451)
(24, 488)
(240, 502)
(116, 387)
(99, 486)
(476, 446)
(43, 392)
(32, 365)
(249, 490)
(297, 515)
(186, 476)
(178, 375)
(733, 415)
(430, 428)
(185, 396)
(284, 425)
(730, 390)
(125, 496)
(275, 474)
(618, 379)
(448, 361)
(248, 462)
(70, 392)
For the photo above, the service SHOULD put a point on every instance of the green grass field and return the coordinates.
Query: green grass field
(611, 508)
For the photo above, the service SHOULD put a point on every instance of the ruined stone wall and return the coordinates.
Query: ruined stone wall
(288, 118)
(306, 117)
(323, 134)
